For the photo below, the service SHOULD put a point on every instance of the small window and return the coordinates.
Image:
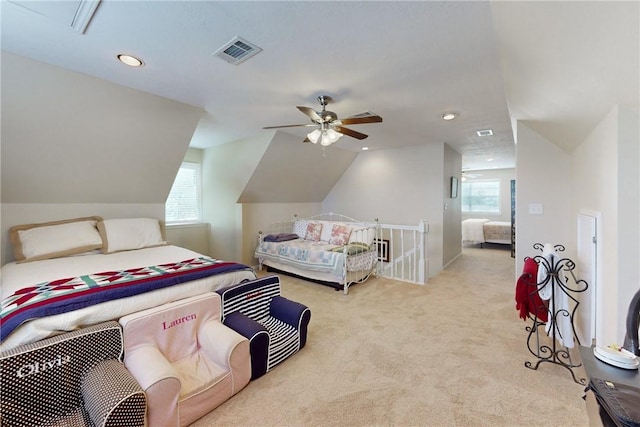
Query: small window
(481, 197)
(183, 205)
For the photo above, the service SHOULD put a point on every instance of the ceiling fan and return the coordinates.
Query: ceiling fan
(328, 127)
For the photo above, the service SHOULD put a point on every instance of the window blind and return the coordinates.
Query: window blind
(184, 201)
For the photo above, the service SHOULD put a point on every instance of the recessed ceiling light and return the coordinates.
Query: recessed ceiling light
(485, 132)
(449, 116)
(131, 61)
(365, 148)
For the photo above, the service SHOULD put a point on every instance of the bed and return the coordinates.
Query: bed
(330, 249)
(479, 231)
(75, 273)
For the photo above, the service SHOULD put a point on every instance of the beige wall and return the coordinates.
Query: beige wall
(452, 214)
(398, 186)
(542, 177)
(605, 179)
(226, 170)
(190, 236)
(71, 138)
(291, 171)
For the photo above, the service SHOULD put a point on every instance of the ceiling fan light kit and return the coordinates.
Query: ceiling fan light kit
(329, 128)
(325, 137)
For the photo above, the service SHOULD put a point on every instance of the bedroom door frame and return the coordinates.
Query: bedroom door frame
(589, 260)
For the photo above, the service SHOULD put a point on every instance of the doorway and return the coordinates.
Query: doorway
(588, 260)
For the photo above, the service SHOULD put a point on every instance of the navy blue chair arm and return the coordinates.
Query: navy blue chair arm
(244, 325)
(258, 337)
(291, 312)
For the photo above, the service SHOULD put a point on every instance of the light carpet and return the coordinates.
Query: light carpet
(450, 353)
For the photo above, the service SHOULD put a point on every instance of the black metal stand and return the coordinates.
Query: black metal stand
(556, 284)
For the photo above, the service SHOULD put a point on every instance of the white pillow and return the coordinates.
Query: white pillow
(300, 227)
(123, 234)
(55, 239)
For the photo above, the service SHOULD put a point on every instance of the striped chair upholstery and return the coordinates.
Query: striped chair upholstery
(275, 326)
(72, 379)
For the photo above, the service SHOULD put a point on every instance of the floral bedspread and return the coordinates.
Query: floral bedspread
(314, 256)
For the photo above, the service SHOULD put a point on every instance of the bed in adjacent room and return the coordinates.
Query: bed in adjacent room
(480, 230)
(75, 273)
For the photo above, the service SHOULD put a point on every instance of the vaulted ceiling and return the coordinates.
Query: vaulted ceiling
(560, 66)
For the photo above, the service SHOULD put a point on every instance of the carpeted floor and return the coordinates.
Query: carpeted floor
(450, 353)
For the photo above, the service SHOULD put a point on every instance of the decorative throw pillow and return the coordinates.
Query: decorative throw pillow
(352, 248)
(300, 228)
(339, 234)
(314, 229)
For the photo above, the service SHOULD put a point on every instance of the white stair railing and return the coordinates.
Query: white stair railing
(403, 250)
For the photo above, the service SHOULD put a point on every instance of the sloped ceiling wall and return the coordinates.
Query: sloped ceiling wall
(71, 138)
(294, 172)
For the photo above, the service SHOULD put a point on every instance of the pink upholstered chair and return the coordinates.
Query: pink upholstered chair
(185, 359)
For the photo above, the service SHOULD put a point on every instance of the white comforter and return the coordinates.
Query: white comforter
(17, 276)
(473, 230)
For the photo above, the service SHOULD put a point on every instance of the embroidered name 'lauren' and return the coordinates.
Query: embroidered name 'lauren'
(176, 322)
(38, 367)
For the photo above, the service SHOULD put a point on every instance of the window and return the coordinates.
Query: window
(481, 196)
(184, 202)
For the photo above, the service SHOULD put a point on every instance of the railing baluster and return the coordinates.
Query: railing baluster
(405, 264)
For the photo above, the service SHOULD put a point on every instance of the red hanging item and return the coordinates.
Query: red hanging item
(527, 298)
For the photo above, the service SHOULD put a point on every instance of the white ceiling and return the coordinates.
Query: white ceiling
(565, 64)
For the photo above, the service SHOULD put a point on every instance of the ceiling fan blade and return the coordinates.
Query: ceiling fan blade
(349, 132)
(360, 120)
(289, 126)
(311, 113)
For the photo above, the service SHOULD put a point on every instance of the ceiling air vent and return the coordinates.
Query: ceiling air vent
(237, 51)
(365, 114)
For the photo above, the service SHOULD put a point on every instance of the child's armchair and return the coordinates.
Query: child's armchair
(185, 359)
(73, 379)
(275, 326)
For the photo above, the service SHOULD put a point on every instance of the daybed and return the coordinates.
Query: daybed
(479, 231)
(329, 248)
(75, 273)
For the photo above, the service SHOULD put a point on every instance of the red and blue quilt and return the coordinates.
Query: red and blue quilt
(68, 294)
